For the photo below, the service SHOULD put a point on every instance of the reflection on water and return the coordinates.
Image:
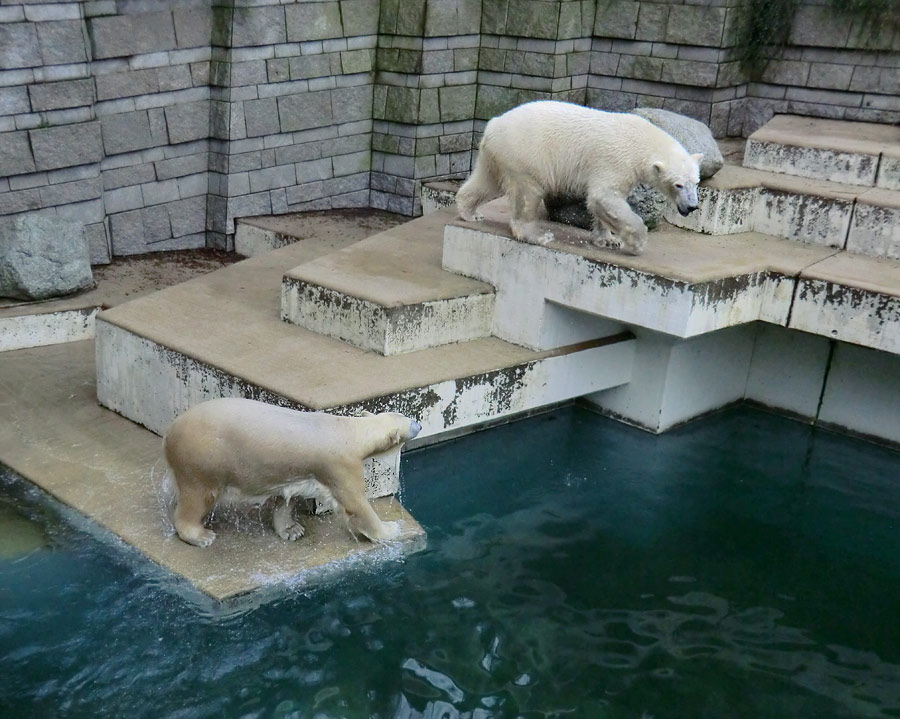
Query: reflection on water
(745, 566)
(19, 536)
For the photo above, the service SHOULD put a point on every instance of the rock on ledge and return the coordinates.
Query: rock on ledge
(692, 134)
(42, 257)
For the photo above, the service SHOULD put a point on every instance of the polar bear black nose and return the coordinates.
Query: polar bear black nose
(414, 428)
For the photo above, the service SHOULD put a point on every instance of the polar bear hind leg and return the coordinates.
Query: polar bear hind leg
(481, 187)
(283, 521)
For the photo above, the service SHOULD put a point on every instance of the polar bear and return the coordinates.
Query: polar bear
(243, 451)
(547, 148)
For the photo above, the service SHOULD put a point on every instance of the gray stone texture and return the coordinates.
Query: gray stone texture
(42, 257)
(694, 136)
(66, 145)
(59, 95)
(202, 110)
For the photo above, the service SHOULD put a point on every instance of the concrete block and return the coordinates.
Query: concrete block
(351, 104)
(193, 185)
(252, 72)
(696, 25)
(261, 117)
(805, 218)
(19, 47)
(126, 132)
(177, 77)
(59, 95)
(181, 166)
(618, 18)
(14, 100)
(818, 163)
(193, 26)
(359, 17)
(875, 229)
(787, 370)
(98, 243)
(254, 26)
(114, 85)
(863, 393)
(42, 257)
(21, 201)
(123, 199)
(188, 121)
(533, 19)
(304, 111)
(157, 193)
(68, 192)
(352, 163)
(62, 42)
(889, 173)
(15, 153)
(188, 216)
(66, 145)
(271, 178)
(112, 36)
(313, 21)
(154, 32)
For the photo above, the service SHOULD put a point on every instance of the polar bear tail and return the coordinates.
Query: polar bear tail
(482, 185)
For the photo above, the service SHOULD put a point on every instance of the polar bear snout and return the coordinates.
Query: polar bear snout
(684, 211)
(414, 428)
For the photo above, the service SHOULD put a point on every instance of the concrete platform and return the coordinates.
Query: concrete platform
(69, 319)
(388, 293)
(684, 284)
(221, 335)
(55, 435)
(834, 150)
(256, 235)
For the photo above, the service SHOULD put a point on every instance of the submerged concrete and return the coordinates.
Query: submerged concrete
(56, 436)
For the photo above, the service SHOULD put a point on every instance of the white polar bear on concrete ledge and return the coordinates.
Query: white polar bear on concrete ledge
(547, 148)
(242, 451)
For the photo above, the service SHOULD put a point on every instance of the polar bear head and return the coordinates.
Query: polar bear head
(394, 427)
(677, 179)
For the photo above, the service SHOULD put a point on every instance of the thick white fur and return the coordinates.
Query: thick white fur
(240, 450)
(546, 147)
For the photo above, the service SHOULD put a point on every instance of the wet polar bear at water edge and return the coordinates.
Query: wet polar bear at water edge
(243, 451)
(546, 148)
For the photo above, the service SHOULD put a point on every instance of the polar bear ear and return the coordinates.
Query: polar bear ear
(659, 166)
(366, 413)
(697, 158)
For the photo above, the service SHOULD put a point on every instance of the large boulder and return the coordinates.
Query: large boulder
(694, 136)
(648, 203)
(42, 257)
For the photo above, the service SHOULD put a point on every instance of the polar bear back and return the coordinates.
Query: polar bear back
(566, 147)
(249, 442)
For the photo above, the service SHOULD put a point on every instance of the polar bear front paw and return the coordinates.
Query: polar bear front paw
(291, 532)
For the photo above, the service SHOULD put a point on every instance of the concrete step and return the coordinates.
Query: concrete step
(255, 235)
(388, 293)
(438, 195)
(855, 153)
(222, 335)
(685, 284)
(816, 212)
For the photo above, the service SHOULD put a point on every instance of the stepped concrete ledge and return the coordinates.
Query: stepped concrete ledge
(685, 284)
(817, 212)
(71, 318)
(57, 437)
(836, 150)
(388, 293)
(222, 335)
(255, 235)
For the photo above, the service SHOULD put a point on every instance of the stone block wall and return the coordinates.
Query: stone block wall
(157, 124)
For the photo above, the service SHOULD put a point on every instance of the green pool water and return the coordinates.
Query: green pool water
(743, 566)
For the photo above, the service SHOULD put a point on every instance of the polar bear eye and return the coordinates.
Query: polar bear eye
(679, 186)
